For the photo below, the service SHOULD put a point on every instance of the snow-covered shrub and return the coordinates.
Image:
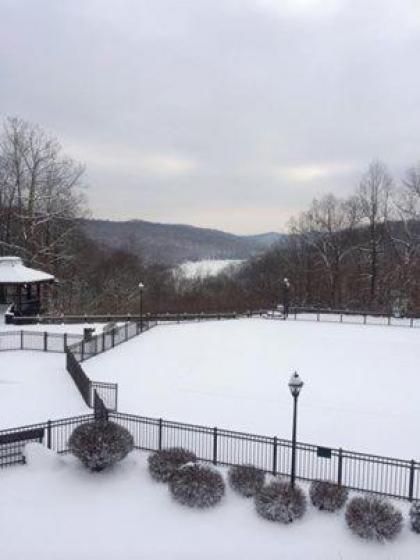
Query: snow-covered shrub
(278, 501)
(415, 517)
(246, 479)
(371, 517)
(327, 495)
(100, 444)
(163, 463)
(197, 486)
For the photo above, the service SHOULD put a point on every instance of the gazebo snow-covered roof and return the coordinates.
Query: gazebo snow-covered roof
(13, 271)
(23, 290)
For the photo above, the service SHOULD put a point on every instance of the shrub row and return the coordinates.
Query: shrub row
(100, 444)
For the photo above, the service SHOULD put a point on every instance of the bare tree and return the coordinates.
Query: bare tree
(373, 196)
(327, 228)
(40, 194)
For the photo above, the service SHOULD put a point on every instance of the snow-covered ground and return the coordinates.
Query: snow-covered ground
(209, 267)
(35, 387)
(361, 382)
(53, 509)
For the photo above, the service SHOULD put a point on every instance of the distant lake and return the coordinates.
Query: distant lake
(205, 268)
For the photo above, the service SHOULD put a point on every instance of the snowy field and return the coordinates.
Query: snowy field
(361, 382)
(53, 509)
(210, 267)
(35, 387)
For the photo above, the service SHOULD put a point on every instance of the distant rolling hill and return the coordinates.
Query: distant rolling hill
(173, 244)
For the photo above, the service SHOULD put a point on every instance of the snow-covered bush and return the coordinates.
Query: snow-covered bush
(415, 517)
(163, 463)
(371, 517)
(246, 479)
(327, 495)
(278, 501)
(100, 444)
(197, 486)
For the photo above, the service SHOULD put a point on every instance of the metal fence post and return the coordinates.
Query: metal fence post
(340, 467)
(126, 331)
(364, 319)
(274, 455)
(21, 340)
(411, 481)
(113, 338)
(45, 341)
(389, 320)
(103, 341)
(215, 446)
(411, 322)
(83, 350)
(65, 341)
(160, 434)
(49, 434)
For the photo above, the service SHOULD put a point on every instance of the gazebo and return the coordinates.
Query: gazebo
(21, 288)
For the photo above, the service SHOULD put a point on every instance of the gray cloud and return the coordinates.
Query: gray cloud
(229, 113)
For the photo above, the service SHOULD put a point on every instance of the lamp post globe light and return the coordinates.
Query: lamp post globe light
(141, 288)
(295, 386)
(286, 299)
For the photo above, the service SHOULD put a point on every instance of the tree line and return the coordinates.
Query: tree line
(358, 252)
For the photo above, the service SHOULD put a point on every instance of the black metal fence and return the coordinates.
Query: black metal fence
(147, 317)
(85, 349)
(296, 313)
(35, 340)
(101, 412)
(53, 434)
(358, 471)
(352, 317)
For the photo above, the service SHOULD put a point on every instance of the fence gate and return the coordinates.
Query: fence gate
(108, 392)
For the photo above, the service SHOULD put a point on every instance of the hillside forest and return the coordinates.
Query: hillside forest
(358, 252)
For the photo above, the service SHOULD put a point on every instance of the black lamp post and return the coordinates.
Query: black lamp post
(286, 299)
(295, 386)
(141, 288)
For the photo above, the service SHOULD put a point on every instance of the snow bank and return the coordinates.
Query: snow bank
(38, 457)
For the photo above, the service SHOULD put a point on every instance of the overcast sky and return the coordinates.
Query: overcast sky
(231, 114)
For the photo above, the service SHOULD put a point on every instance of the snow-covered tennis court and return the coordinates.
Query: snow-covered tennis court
(361, 382)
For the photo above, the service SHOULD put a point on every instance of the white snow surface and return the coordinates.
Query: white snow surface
(35, 387)
(53, 509)
(208, 267)
(13, 271)
(361, 382)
